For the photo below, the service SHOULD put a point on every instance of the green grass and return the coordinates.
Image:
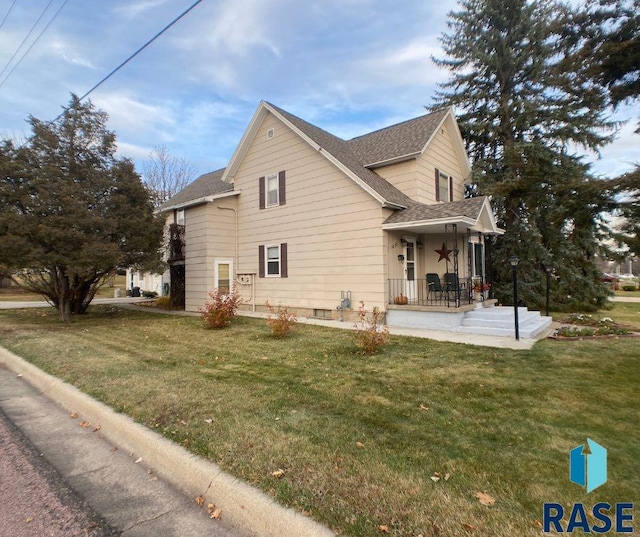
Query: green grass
(498, 421)
(16, 294)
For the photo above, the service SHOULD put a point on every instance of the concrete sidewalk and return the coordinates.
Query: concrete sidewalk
(141, 483)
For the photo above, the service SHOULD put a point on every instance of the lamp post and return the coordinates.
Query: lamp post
(513, 260)
(549, 270)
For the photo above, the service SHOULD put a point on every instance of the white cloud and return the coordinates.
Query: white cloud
(69, 53)
(131, 10)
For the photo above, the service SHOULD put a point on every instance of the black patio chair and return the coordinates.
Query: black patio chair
(433, 284)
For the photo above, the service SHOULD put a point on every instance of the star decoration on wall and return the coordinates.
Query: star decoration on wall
(443, 252)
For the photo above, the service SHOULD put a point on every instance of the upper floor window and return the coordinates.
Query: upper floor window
(180, 217)
(272, 190)
(444, 186)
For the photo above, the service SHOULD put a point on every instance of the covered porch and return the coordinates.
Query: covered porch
(437, 256)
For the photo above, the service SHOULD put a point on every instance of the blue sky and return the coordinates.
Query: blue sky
(348, 66)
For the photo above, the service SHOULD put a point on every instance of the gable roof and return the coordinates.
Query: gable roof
(472, 213)
(398, 142)
(201, 190)
(356, 157)
(340, 150)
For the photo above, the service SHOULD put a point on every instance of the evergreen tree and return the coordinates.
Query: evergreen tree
(71, 212)
(520, 111)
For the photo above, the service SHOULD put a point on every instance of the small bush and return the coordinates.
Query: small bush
(222, 308)
(149, 294)
(629, 287)
(371, 335)
(163, 302)
(280, 320)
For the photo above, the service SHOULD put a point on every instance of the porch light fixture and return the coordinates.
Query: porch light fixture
(513, 261)
(400, 258)
(419, 245)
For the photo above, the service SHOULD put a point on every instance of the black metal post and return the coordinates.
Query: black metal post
(548, 287)
(514, 263)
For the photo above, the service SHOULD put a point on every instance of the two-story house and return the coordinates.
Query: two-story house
(309, 220)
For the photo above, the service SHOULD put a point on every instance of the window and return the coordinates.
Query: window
(270, 134)
(272, 261)
(272, 190)
(180, 217)
(444, 186)
(223, 275)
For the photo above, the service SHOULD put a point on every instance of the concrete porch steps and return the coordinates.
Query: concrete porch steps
(499, 321)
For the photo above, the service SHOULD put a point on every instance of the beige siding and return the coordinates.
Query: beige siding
(442, 155)
(209, 235)
(402, 175)
(332, 227)
(416, 177)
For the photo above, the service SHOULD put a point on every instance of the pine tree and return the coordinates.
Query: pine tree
(520, 112)
(71, 213)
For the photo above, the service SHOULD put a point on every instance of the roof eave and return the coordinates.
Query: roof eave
(394, 160)
(430, 222)
(199, 201)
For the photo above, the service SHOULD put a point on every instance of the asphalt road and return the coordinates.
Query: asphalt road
(35, 501)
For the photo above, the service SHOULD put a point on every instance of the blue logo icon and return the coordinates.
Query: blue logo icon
(588, 468)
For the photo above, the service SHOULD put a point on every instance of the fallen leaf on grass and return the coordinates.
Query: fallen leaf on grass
(97, 428)
(278, 473)
(423, 407)
(208, 420)
(435, 477)
(382, 528)
(200, 501)
(359, 444)
(139, 459)
(85, 424)
(447, 476)
(467, 527)
(485, 499)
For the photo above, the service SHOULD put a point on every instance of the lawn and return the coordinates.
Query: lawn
(16, 294)
(400, 442)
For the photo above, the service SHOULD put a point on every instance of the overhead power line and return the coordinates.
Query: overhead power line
(114, 71)
(8, 13)
(55, 15)
(26, 37)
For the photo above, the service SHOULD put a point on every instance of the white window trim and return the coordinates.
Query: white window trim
(266, 190)
(180, 217)
(216, 273)
(271, 133)
(266, 261)
(447, 182)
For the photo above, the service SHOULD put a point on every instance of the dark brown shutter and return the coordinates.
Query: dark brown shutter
(450, 188)
(282, 194)
(437, 184)
(262, 189)
(284, 269)
(261, 261)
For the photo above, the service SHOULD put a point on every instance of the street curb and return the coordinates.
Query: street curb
(242, 506)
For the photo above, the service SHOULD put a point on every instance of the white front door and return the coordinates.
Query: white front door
(223, 275)
(410, 268)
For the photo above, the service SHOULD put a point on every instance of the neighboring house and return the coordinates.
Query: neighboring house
(147, 281)
(306, 219)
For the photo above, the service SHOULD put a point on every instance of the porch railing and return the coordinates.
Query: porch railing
(423, 293)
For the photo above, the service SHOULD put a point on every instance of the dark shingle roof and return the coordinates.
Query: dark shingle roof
(207, 184)
(407, 138)
(418, 212)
